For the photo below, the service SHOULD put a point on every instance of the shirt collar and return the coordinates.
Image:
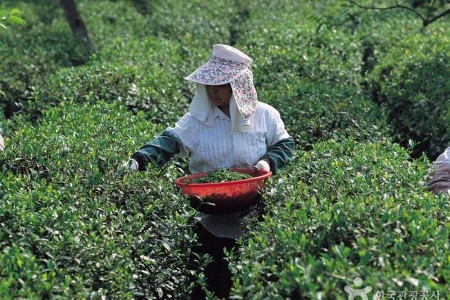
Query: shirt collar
(217, 113)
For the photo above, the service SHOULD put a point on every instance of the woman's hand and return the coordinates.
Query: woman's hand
(262, 165)
(131, 165)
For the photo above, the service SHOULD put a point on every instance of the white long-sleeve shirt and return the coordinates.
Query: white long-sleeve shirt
(216, 146)
(213, 145)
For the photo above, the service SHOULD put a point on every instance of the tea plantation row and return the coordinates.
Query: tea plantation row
(351, 204)
(382, 56)
(347, 210)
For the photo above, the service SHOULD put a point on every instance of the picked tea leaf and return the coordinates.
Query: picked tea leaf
(221, 175)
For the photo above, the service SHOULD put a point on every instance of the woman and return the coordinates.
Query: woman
(226, 127)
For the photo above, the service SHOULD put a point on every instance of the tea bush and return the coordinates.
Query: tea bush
(32, 52)
(109, 20)
(145, 78)
(417, 103)
(342, 211)
(336, 45)
(397, 60)
(73, 224)
(298, 46)
(324, 111)
(310, 73)
(194, 23)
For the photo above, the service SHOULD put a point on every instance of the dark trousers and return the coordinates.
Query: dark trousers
(218, 276)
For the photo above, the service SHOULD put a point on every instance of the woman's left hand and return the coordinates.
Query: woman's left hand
(262, 165)
(131, 165)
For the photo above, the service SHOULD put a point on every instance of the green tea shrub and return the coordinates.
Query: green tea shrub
(334, 45)
(163, 65)
(344, 211)
(195, 23)
(70, 215)
(18, 267)
(32, 52)
(379, 32)
(110, 20)
(23, 72)
(411, 84)
(295, 47)
(75, 225)
(311, 73)
(86, 84)
(33, 11)
(143, 6)
(313, 112)
(144, 76)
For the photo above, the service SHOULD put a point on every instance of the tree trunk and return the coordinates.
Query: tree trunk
(76, 23)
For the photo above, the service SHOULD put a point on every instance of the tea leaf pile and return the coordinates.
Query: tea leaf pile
(221, 175)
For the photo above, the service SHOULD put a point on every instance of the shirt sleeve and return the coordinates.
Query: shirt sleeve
(444, 158)
(275, 128)
(159, 150)
(280, 145)
(440, 182)
(279, 154)
(185, 131)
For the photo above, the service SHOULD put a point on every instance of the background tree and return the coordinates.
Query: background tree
(76, 23)
(428, 11)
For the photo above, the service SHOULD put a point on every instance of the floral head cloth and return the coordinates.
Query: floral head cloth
(229, 65)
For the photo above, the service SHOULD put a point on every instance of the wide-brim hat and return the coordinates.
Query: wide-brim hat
(230, 65)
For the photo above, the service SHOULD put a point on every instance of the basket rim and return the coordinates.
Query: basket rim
(261, 175)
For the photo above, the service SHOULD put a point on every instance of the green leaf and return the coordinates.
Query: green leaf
(16, 20)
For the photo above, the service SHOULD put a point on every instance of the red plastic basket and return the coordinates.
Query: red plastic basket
(223, 197)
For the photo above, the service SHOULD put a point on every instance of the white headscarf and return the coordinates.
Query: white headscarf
(202, 109)
(226, 65)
